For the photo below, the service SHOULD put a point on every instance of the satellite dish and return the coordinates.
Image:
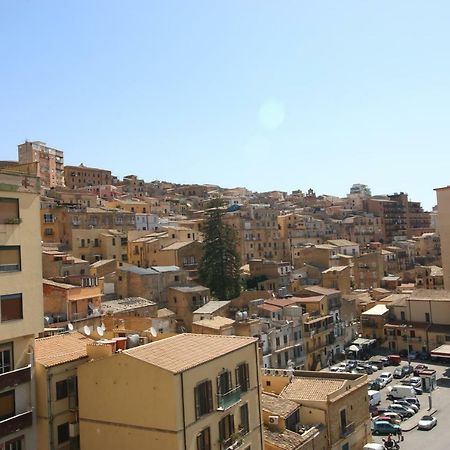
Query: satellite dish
(103, 326)
(70, 326)
(100, 331)
(87, 330)
(153, 332)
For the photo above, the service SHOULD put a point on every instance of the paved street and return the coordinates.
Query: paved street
(439, 437)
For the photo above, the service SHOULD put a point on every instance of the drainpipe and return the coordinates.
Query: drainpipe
(49, 409)
(259, 394)
(184, 415)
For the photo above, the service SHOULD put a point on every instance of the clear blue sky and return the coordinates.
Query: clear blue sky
(264, 94)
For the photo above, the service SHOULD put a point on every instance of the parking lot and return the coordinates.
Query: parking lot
(437, 438)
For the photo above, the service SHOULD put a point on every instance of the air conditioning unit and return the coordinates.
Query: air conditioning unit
(74, 429)
(273, 420)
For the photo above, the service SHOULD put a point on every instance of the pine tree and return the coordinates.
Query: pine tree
(219, 267)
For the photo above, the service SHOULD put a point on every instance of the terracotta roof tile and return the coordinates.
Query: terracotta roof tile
(312, 388)
(278, 406)
(60, 349)
(185, 351)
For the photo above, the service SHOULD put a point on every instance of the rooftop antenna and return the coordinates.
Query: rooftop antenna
(87, 330)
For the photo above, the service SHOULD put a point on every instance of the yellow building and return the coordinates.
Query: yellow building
(21, 305)
(188, 392)
(57, 359)
(336, 401)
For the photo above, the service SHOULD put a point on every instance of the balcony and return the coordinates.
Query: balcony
(227, 400)
(15, 377)
(15, 423)
(349, 429)
(235, 441)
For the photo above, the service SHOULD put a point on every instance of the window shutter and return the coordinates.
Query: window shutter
(209, 394)
(238, 377)
(230, 381)
(247, 377)
(197, 403)
(219, 390)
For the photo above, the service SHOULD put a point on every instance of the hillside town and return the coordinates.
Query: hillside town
(111, 337)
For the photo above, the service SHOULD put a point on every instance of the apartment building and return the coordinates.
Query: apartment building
(50, 162)
(58, 265)
(57, 359)
(185, 300)
(76, 177)
(368, 270)
(69, 302)
(338, 403)
(151, 283)
(362, 229)
(443, 200)
(428, 249)
(21, 305)
(197, 391)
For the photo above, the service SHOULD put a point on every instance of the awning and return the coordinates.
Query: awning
(441, 352)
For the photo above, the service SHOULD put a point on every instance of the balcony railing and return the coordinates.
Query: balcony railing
(15, 377)
(235, 441)
(16, 423)
(225, 401)
(349, 429)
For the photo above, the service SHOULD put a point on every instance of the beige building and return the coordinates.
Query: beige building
(50, 162)
(337, 402)
(21, 305)
(443, 199)
(197, 391)
(76, 177)
(57, 359)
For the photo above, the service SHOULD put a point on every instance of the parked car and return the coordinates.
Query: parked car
(401, 410)
(415, 382)
(427, 423)
(397, 418)
(375, 361)
(386, 376)
(412, 355)
(413, 401)
(381, 381)
(419, 369)
(398, 373)
(373, 446)
(374, 385)
(423, 356)
(401, 391)
(406, 404)
(407, 369)
(385, 361)
(385, 427)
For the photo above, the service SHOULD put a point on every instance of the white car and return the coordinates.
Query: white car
(427, 423)
(386, 376)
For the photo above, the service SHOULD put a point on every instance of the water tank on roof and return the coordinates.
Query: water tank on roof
(132, 340)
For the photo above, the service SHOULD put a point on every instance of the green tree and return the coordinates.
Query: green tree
(219, 267)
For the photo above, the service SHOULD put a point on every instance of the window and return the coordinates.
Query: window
(176, 278)
(204, 440)
(48, 218)
(6, 360)
(343, 417)
(224, 384)
(242, 377)
(48, 231)
(226, 427)
(9, 258)
(61, 389)
(427, 317)
(244, 425)
(285, 339)
(402, 316)
(11, 307)
(15, 444)
(203, 398)
(7, 405)
(277, 342)
(63, 433)
(9, 210)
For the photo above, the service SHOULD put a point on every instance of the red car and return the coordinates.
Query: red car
(419, 369)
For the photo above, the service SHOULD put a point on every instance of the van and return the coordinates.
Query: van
(374, 398)
(394, 360)
(401, 391)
